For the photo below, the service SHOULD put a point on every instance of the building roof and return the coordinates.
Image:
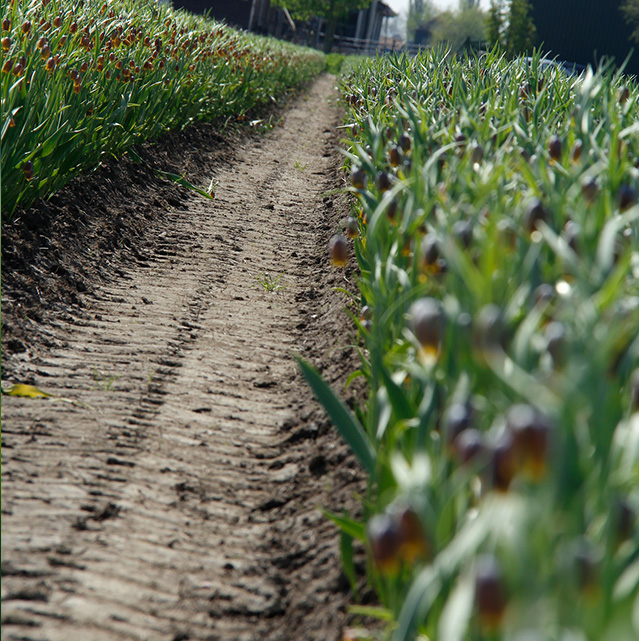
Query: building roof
(386, 11)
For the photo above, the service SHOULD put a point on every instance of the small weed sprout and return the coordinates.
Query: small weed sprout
(104, 382)
(211, 188)
(269, 283)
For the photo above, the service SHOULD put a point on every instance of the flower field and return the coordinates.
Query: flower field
(495, 225)
(496, 228)
(81, 80)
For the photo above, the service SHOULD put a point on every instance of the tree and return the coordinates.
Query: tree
(333, 11)
(630, 10)
(521, 33)
(495, 22)
(419, 13)
(459, 27)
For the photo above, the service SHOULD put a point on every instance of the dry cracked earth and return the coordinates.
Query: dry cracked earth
(179, 494)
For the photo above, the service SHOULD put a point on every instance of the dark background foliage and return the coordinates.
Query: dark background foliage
(583, 31)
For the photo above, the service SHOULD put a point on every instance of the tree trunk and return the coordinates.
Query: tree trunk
(331, 27)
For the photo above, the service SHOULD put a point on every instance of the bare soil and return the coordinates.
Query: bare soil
(182, 499)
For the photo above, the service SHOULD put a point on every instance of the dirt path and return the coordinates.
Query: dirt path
(185, 505)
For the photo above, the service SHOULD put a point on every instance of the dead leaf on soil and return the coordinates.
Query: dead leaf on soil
(31, 391)
(27, 391)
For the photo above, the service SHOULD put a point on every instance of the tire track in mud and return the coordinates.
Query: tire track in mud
(185, 506)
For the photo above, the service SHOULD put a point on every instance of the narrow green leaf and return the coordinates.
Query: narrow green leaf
(384, 413)
(181, 180)
(346, 424)
(403, 408)
(420, 597)
(627, 582)
(612, 289)
(606, 245)
(454, 619)
(353, 376)
(345, 523)
(381, 614)
(346, 549)
(426, 409)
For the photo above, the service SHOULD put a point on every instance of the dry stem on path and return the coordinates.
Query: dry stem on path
(185, 505)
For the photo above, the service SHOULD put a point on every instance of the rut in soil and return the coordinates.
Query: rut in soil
(186, 505)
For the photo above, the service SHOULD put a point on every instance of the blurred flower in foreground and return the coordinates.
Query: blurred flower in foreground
(396, 536)
(490, 597)
(426, 321)
(339, 251)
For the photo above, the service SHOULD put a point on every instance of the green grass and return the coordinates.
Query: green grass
(334, 62)
(338, 63)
